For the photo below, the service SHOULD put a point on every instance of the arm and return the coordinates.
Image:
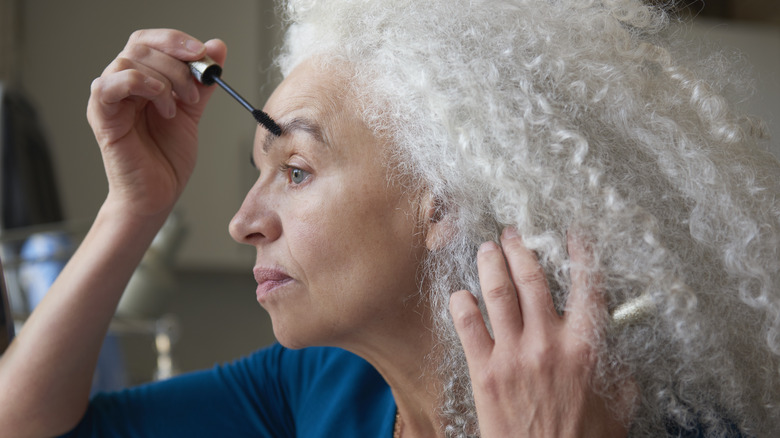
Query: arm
(144, 111)
(533, 377)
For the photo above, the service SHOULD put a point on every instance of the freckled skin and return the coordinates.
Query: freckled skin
(349, 239)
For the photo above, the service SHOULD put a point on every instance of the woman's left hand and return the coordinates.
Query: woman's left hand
(533, 378)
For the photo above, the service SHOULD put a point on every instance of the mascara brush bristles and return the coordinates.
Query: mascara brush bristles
(261, 117)
(267, 122)
(208, 72)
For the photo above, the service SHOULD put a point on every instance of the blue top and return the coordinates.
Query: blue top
(275, 392)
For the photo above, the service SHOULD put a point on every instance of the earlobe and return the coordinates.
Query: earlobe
(438, 224)
(439, 233)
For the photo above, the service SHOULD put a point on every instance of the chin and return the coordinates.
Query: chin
(311, 329)
(292, 344)
(297, 337)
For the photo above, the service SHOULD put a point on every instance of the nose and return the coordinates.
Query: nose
(257, 221)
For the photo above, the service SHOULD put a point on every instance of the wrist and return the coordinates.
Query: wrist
(126, 227)
(123, 213)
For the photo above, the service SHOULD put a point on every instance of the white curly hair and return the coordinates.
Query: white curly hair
(550, 115)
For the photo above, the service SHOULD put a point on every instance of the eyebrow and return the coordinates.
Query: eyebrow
(299, 124)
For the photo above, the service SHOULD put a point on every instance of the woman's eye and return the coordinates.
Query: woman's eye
(297, 175)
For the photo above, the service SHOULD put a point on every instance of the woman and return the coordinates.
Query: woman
(634, 290)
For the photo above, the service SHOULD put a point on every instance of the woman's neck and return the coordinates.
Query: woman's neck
(405, 355)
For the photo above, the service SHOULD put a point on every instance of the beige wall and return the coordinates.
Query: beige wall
(66, 44)
(63, 46)
(760, 45)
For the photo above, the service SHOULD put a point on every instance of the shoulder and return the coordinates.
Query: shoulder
(324, 367)
(346, 391)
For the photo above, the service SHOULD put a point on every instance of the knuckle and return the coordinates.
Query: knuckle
(497, 379)
(467, 317)
(544, 355)
(143, 34)
(96, 86)
(122, 63)
(137, 35)
(582, 353)
(513, 246)
(532, 275)
(126, 82)
(540, 357)
(501, 292)
(489, 381)
(137, 51)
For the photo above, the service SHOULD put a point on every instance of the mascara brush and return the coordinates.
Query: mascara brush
(208, 72)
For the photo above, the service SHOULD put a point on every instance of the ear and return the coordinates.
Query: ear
(436, 221)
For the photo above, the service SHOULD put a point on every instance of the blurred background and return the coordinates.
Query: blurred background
(50, 51)
(192, 301)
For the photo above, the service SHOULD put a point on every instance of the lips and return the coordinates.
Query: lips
(268, 280)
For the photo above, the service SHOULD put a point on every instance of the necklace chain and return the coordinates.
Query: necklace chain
(398, 426)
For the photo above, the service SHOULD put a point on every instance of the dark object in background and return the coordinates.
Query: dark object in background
(749, 11)
(6, 320)
(29, 187)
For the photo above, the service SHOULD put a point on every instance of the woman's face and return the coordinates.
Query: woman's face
(338, 243)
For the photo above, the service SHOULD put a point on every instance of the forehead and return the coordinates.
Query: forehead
(313, 99)
(315, 106)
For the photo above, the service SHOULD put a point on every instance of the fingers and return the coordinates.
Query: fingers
(517, 296)
(470, 327)
(174, 43)
(152, 66)
(533, 292)
(112, 89)
(162, 54)
(585, 301)
(538, 358)
(498, 292)
(149, 62)
(514, 288)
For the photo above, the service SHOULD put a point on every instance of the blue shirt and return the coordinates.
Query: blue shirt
(275, 392)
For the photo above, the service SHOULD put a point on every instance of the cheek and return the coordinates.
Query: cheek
(332, 233)
(353, 238)
(317, 237)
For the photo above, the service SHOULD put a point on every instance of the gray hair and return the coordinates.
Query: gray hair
(552, 115)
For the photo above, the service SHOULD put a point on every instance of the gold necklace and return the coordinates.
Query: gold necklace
(398, 427)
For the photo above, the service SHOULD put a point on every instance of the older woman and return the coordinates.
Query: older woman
(631, 219)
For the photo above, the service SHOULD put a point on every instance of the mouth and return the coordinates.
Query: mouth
(268, 280)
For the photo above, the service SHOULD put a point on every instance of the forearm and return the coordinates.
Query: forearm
(47, 371)
(144, 110)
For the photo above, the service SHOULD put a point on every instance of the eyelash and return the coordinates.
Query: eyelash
(288, 170)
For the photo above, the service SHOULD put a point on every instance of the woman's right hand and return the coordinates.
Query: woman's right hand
(144, 110)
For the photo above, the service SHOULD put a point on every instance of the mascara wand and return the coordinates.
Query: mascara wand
(208, 72)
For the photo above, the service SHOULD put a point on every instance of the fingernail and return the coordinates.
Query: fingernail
(488, 246)
(194, 95)
(510, 233)
(171, 110)
(194, 46)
